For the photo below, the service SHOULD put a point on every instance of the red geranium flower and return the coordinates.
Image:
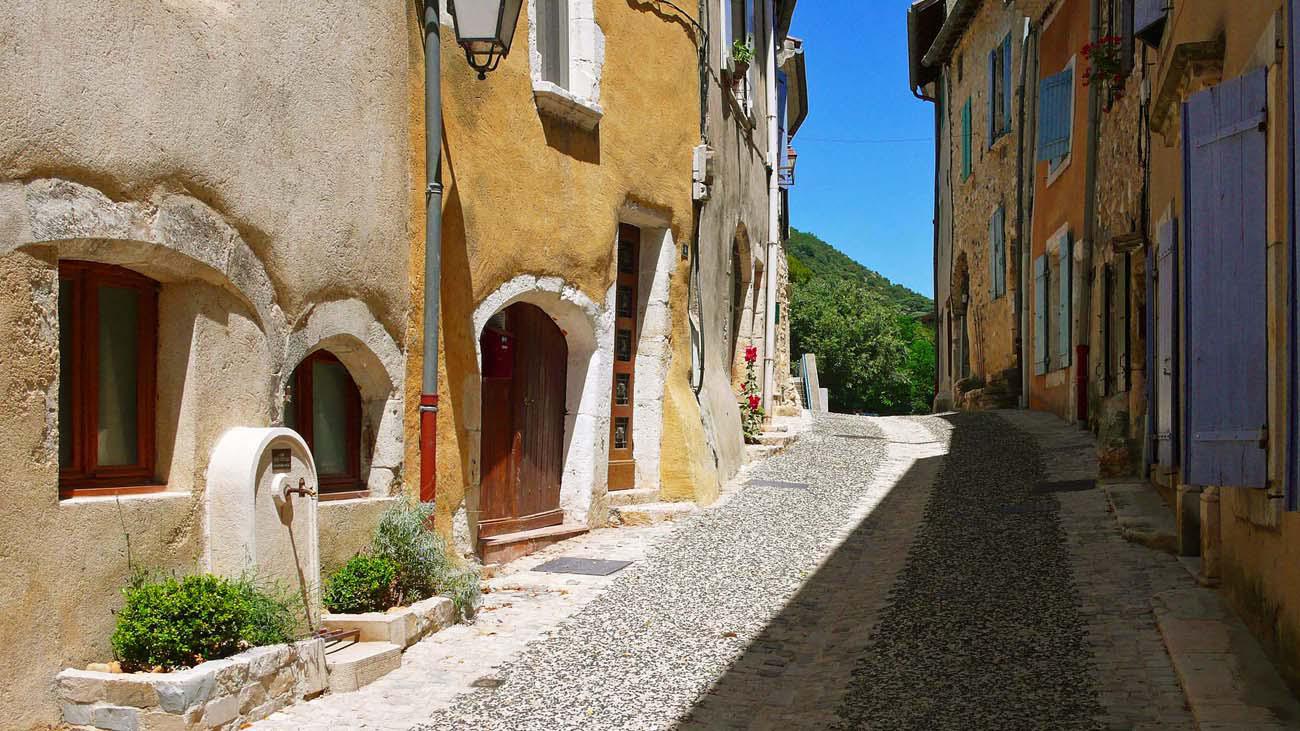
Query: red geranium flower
(754, 401)
(751, 354)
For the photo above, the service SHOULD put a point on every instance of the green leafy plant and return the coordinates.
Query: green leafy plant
(363, 584)
(169, 623)
(422, 566)
(742, 52)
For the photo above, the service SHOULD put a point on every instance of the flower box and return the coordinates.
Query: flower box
(218, 694)
(401, 626)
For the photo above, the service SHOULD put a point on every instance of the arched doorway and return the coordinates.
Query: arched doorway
(323, 404)
(525, 374)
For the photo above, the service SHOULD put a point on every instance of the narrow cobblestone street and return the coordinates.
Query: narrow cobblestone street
(921, 572)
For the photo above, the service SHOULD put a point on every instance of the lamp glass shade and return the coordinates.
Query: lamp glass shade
(486, 30)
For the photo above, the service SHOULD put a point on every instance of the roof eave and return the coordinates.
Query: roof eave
(954, 27)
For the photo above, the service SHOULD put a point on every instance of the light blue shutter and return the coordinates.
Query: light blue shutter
(1055, 105)
(1063, 325)
(1006, 84)
(1040, 315)
(965, 140)
(1002, 251)
(993, 255)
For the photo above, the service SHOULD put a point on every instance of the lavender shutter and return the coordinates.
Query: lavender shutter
(1166, 351)
(993, 104)
(1002, 251)
(1149, 20)
(1040, 315)
(1149, 364)
(1226, 319)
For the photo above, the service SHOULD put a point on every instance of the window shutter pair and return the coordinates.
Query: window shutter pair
(1055, 112)
(998, 253)
(1040, 315)
(1063, 306)
(1149, 20)
(965, 140)
(999, 96)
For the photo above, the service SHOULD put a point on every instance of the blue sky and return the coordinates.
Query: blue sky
(871, 200)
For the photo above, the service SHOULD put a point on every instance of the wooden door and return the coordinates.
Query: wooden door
(525, 373)
(1226, 333)
(622, 466)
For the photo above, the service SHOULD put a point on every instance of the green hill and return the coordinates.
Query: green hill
(811, 258)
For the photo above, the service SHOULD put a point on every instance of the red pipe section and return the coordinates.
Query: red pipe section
(428, 447)
(1081, 382)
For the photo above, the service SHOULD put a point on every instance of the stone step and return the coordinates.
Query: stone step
(757, 452)
(510, 546)
(1141, 514)
(651, 513)
(775, 439)
(358, 665)
(1226, 675)
(639, 496)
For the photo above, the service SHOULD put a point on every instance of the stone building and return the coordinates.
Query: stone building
(1159, 277)
(968, 58)
(223, 227)
(641, 228)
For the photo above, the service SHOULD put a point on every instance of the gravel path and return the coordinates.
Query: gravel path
(983, 630)
(642, 654)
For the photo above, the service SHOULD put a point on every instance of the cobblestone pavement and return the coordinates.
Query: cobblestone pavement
(922, 579)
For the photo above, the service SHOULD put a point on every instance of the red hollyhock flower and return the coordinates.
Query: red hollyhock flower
(754, 401)
(751, 354)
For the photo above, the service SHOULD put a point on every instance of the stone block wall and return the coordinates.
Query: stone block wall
(220, 694)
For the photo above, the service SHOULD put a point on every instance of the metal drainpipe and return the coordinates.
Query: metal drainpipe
(432, 252)
(1084, 287)
(773, 218)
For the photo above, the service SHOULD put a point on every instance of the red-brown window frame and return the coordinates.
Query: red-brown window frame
(84, 475)
(337, 486)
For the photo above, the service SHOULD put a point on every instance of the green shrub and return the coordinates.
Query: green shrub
(425, 567)
(363, 584)
(169, 623)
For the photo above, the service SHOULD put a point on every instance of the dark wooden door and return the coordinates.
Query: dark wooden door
(622, 465)
(524, 380)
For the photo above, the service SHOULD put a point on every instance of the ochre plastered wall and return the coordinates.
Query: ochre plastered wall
(526, 193)
(1063, 35)
(254, 159)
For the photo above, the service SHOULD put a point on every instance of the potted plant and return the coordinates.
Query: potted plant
(1105, 66)
(742, 55)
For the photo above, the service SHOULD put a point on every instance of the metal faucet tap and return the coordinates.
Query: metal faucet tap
(301, 489)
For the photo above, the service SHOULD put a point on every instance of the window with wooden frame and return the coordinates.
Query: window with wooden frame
(324, 406)
(108, 357)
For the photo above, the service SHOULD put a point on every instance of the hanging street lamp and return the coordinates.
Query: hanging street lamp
(485, 29)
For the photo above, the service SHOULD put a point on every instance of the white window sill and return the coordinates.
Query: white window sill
(1052, 175)
(561, 103)
(160, 496)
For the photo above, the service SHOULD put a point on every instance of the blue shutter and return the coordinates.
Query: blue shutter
(997, 253)
(1002, 250)
(1226, 317)
(782, 94)
(1040, 315)
(1064, 306)
(1006, 84)
(992, 127)
(1055, 112)
(965, 140)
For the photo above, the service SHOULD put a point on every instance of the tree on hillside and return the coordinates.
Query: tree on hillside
(868, 354)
